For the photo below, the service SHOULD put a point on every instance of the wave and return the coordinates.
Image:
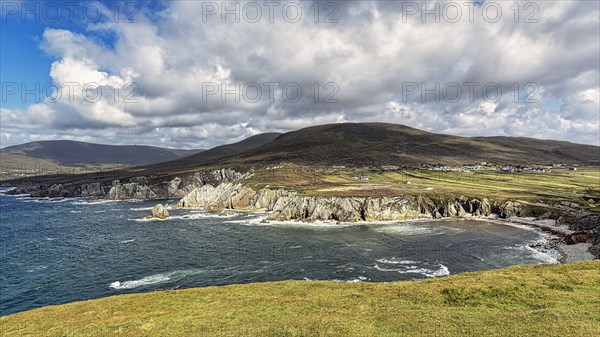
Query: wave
(6, 189)
(542, 254)
(405, 229)
(395, 260)
(438, 271)
(155, 279)
(319, 224)
(441, 271)
(528, 227)
(353, 280)
(51, 200)
(40, 267)
(193, 216)
(148, 219)
(140, 209)
(93, 202)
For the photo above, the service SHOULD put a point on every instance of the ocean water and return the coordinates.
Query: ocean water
(55, 251)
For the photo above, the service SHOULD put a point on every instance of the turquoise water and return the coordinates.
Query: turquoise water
(55, 251)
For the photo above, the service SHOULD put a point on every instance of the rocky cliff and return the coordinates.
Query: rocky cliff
(222, 190)
(141, 187)
(288, 205)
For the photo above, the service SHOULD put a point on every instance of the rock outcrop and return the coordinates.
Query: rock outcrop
(137, 187)
(158, 212)
(221, 189)
(288, 205)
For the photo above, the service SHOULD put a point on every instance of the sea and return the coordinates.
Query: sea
(59, 250)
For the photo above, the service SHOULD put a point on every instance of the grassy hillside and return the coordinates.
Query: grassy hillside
(382, 144)
(171, 168)
(544, 300)
(215, 154)
(581, 186)
(66, 152)
(354, 145)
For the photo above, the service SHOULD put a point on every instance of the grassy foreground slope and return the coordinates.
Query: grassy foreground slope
(544, 300)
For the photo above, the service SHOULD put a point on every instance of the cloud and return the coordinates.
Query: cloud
(354, 70)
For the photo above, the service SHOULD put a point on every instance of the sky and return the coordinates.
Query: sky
(196, 74)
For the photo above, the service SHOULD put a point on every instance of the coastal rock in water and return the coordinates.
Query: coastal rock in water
(159, 211)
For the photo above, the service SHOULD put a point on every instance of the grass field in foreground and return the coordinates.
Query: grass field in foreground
(544, 300)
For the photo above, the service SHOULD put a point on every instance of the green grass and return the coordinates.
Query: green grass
(545, 300)
(582, 186)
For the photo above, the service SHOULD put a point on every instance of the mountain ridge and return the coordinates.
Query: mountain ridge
(69, 152)
(384, 143)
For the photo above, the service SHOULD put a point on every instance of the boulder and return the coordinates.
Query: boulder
(158, 212)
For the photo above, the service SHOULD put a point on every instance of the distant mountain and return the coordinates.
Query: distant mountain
(219, 153)
(381, 144)
(66, 152)
(353, 144)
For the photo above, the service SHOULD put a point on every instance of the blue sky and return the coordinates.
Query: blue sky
(371, 51)
(22, 59)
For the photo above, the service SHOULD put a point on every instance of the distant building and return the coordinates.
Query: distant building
(363, 177)
(573, 169)
(390, 167)
(339, 166)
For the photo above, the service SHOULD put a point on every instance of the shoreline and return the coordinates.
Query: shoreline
(552, 236)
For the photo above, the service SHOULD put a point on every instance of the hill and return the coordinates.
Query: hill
(382, 144)
(66, 152)
(526, 300)
(217, 153)
(158, 170)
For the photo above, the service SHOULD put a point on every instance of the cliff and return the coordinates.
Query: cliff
(583, 226)
(288, 205)
(222, 189)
